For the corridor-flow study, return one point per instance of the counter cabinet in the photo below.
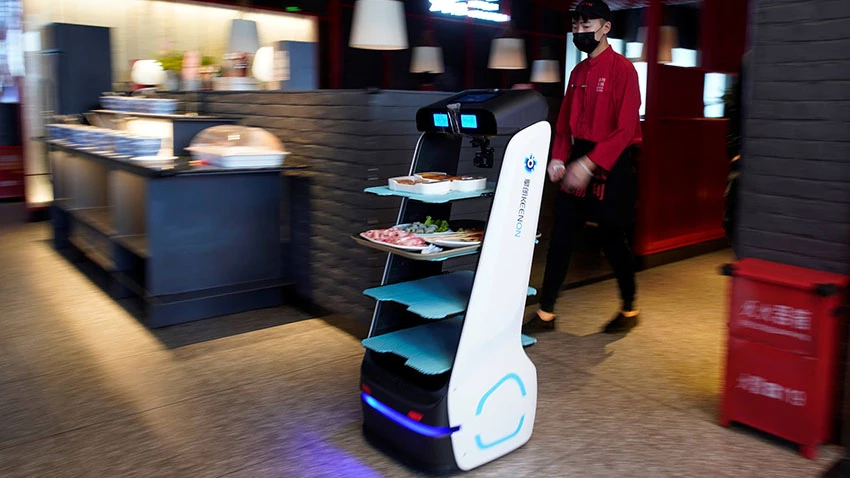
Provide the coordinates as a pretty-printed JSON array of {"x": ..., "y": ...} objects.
[{"x": 190, "y": 242}]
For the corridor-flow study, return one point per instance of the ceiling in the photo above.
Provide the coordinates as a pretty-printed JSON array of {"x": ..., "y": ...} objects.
[{"x": 567, "y": 5}]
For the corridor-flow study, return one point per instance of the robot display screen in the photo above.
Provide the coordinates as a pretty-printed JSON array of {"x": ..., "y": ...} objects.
[
  {"x": 469, "y": 121},
  {"x": 475, "y": 98},
  {"x": 441, "y": 120}
]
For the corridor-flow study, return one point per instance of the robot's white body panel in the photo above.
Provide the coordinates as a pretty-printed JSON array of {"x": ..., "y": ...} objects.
[{"x": 492, "y": 393}]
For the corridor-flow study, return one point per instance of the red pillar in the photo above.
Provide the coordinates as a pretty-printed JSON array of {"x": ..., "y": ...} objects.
[
  {"x": 335, "y": 44},
  {"x": 647, "y": 180}
]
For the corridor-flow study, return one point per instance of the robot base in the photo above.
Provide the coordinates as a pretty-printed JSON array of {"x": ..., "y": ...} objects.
[
  {"x": 389, "y": 394},
  {"x": 409, "y": 448}
]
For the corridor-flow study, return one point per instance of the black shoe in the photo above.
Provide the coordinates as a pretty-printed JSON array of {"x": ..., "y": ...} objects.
[
  {"x": 537, "y": 325},
  {"x": 623, "y": 322}
]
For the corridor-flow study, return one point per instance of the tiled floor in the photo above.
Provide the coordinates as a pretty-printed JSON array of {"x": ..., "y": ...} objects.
[{"x": 86, "y": 391}]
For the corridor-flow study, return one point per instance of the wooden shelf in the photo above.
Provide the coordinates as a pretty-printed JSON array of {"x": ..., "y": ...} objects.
[
  {"x": 96, "y": 217},
  {"x": 137, "y": 244},
  {"x": 93, "y": 254}
]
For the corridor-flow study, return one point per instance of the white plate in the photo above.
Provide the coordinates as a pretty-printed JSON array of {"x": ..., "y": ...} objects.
[
  {"x": 469, "y": 185},
  {"x": 451, "y": 243},
  {"x": 404, "y": 248}
]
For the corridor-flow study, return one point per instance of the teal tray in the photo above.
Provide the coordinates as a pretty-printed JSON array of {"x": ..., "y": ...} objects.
[
  {"x": 433, "y": 198},
  {"x": 435, "y": 297},
  {"x": 429, "y": 349}
]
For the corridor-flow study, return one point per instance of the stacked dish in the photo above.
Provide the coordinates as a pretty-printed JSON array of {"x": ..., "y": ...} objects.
[{"x": 160, "y": 106}]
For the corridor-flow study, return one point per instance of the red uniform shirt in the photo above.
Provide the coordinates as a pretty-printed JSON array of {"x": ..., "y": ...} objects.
[{"x": 602, "y": 104}]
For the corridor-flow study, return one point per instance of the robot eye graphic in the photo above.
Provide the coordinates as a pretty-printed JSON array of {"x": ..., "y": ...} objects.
[{"x": 530, "y": 164}]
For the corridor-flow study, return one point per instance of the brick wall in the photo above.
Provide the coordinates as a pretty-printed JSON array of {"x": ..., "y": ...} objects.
[
  {"x": 350, "y": 140},
  {"x": 795, "y": 186}
]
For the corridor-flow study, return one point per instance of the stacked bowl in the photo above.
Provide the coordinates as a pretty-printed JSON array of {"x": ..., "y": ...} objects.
[{"x": 160, "y": 106}]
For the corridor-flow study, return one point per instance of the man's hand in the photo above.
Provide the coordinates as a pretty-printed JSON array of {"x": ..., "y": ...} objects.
[
  {"x": 556, "y": 170},
  {"x": 578, "y": 174}
]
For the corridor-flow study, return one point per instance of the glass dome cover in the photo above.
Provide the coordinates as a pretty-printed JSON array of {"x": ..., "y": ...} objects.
[
  {"x": 237, "y": 146},
  {"x": 237, "y": 138}
]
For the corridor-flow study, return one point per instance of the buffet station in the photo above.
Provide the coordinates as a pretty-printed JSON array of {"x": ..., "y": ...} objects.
[{"x": 178, "y": 211}]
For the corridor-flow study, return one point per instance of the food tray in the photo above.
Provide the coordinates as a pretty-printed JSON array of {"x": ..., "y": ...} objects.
[
  {"x": 417, "y": 255},
  {"x": 387, "y": 244},
  {"x": 238, "y": 157}
]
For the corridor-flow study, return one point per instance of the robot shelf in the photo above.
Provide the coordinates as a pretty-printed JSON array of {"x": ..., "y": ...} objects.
[
  {"x": 435, "y": 297},
  {"x": 434, "y": 198},
  {"x": 429, "y": 349}
]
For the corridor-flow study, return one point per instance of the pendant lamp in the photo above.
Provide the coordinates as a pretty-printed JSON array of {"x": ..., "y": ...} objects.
[
  {"x": 427, "y": 57},
  {"x": 545, "y": 69},
  {"x": 507, "y": 52},
  {"x": 244, "y": 37},
  {"x": 378, "y": 25},
  {"x": 667, "y": 40}
]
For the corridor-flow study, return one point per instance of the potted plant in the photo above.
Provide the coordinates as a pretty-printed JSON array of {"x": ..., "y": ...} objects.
[{"x": 172, "y": 63}]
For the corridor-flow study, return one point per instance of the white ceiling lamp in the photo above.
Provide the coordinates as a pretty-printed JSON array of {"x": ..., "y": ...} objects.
[
  {"x": 427, "y": 57},
  {"x": 545, "y": 69},
  {"x": 378, "y": 25},
  {"x": 507, "y": 52},
  {"x": 667, "y": 40}
]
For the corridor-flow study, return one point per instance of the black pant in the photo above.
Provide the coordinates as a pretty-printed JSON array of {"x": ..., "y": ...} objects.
[{"x": 614, "y": 214}]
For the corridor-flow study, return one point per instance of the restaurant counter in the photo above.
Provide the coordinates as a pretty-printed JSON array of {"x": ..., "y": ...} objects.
[{"x": 191, "y": 242}]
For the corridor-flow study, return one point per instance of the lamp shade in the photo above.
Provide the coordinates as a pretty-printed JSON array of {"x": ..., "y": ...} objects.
[
  {"x": 545, "y": 71},
  {"x": 263, "y": 67},
  {"x": 243, "y": 37},
  {"x": 148, "y": 73},
  {"x": 668, "y": 39},
  {"x": 378, "y": 25},
  {"x": 427, "y": 59},
  {"x": 507, "y": 54}
]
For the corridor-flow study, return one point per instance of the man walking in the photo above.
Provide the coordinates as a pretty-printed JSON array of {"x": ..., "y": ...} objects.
[{"x": 593, "y": 160}]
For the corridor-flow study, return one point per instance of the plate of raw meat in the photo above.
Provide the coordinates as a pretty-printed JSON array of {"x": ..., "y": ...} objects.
[{"x": 395, "y": 237}]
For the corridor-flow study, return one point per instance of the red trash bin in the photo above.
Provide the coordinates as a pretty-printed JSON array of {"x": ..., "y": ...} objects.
[{"x": 782, "y": 355}]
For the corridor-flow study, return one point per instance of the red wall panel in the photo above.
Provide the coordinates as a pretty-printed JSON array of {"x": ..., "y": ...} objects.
[
  {"x": 11, "y": 172},
  {"x": 686, "y": 179},
  {"x": 682, "y": 92},
  {"x": 723, "y": 36}
]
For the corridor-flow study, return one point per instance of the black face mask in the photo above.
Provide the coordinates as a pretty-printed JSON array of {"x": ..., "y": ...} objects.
[{"x": 586, "y": 41}]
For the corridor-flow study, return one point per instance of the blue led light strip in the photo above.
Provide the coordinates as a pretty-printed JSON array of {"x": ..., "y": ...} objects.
[{"x": 405, "y": 421}]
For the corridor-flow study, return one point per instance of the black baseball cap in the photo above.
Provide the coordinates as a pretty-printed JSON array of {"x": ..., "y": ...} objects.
[{"x": 592, "y": 9}]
